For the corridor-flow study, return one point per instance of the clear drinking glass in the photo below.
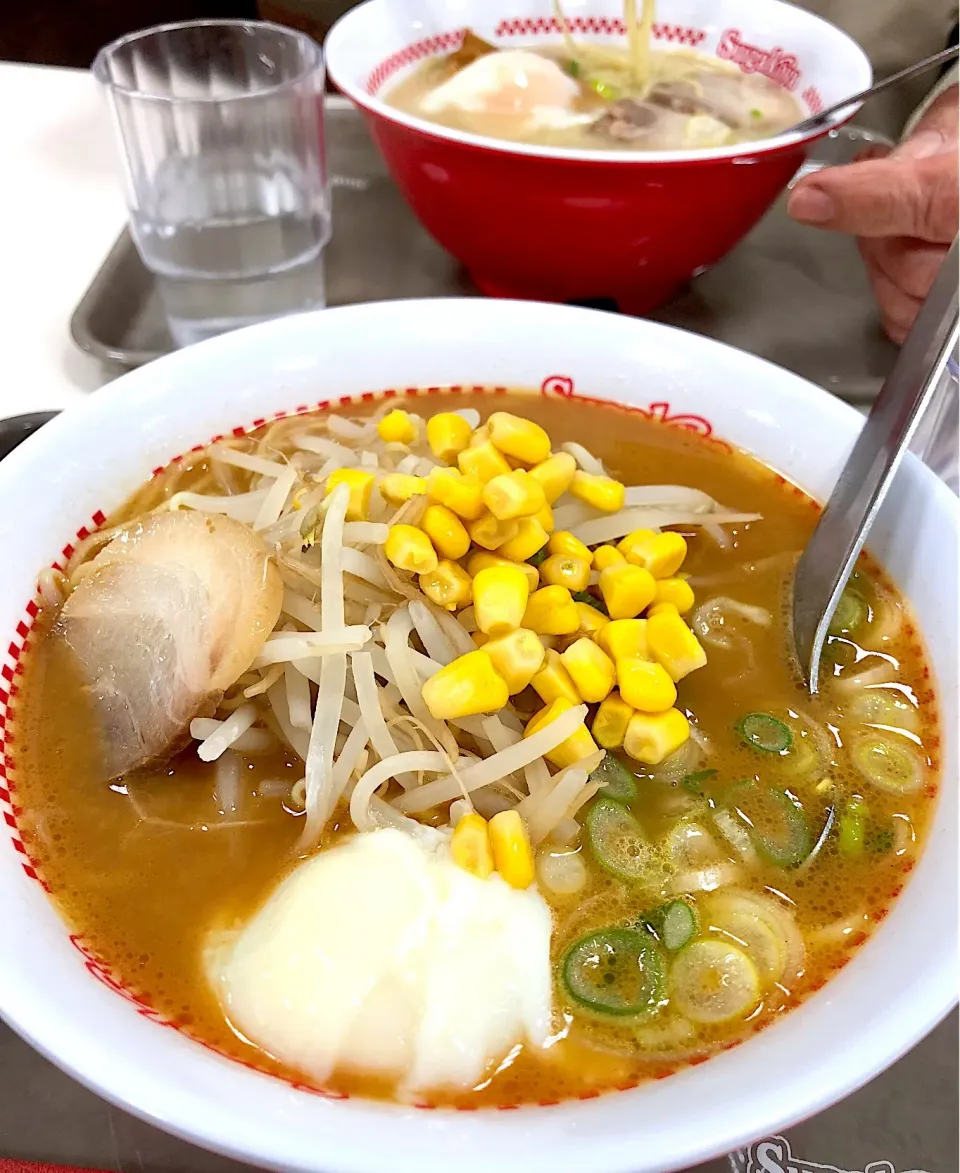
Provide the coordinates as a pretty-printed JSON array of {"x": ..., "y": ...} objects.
[{"x": 220, "y": 126}]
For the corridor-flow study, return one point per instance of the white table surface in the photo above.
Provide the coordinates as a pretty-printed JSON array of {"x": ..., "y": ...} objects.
[{"x": 61, "y": 208}]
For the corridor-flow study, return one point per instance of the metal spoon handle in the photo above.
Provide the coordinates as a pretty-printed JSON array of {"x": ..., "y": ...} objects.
[
  {"x": 824, "y": 116},
  {"x": 829, "y": 558}
]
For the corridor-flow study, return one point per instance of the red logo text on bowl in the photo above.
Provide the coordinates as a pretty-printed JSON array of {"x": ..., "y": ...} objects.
[{"x": 776, "y": 64}]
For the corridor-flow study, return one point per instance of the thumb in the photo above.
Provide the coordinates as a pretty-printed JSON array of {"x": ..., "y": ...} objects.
[
  {"x": 883, "y": 197},
  {"x": 936, "y": 130}
]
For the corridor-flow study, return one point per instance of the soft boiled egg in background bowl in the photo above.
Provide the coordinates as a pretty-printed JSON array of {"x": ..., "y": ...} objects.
[
  {"x": 511, "y": 83},
  {"x": 562, "y": 224},
  {"x": 88, "y": 460}
]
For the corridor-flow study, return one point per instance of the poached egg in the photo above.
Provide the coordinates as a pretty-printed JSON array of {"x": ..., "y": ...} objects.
[
  {"x": 514, "y": 84},
  {"x": 381, "y": 956}
]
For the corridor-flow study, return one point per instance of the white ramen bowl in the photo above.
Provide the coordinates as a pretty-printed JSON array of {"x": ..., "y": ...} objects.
[{"x": 897, "y": 987}]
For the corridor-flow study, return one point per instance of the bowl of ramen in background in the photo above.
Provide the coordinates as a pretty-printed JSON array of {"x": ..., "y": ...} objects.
[
  {"x": 68, "y": 983},
  {"x": 564, "y": 223}
]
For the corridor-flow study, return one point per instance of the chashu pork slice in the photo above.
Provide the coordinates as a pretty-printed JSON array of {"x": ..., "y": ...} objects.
[{"x": 173, "y": 611}]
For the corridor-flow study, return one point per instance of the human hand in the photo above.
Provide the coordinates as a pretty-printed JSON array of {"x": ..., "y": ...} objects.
[{"x": 902, "y": 207}]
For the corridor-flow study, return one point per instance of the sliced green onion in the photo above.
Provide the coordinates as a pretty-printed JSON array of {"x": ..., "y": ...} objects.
[
  {"x": 882, "y": 841},
  {"x": 778, "y": 826},
  {"x": 616, "y": 781},
  {"x": 811, "y": 752},
  {"x": 674, "y": 923},
  {"x": 877, "y": 705},
  {"x": 840, "y": 652},
  {"x": 762, "y": 927},
  {"x": 712, "y": 981},
  {"x": 850, "y": 834},
  {"x": 851, "y": 613},
  {"x": 539, "y": 558},
  {"x": 756, "y": 113},
  {"x": 615, "y": 971},
  {"x": 694, "y": 782},
  {"x": 765, "y": 733},
  {"x": 737, "y": 920},
  {"x": 590, "y": 600},
  {"x": 603, "y": 89},
  {"x": 886, "y": 764},
  {"x": 617, "y": 840},
  {"x": 572, "y": 67}
]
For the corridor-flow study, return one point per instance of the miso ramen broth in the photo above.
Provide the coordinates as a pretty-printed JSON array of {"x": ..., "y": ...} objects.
[
  {"x": 596, "y": 96},
  {"x": 700, "y": 876}
]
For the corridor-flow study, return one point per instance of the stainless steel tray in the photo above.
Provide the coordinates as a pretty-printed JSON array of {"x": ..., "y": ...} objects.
[{"x": 794, "y": 295}]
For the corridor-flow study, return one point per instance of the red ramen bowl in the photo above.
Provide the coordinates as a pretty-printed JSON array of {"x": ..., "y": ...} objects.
[{"x": 560, "y": 224}]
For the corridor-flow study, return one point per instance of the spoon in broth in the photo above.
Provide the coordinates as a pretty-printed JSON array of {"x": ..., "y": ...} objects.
[
  {"x": 907, "y": 392},
  {"x": 822, "y": 118}
]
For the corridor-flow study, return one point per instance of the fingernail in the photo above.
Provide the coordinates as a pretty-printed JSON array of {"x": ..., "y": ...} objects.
[
  {"x": 812, "y": 205},
  {"x": 924, "y": 144}
]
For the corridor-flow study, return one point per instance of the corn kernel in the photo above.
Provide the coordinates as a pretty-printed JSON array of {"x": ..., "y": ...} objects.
[
  {"x": 565, "y": 570},
  {"x": 479, "y": 436},
  {"x": 651, "y": 737},
  {"x": 545, "y": 517},
  {"x": 448, "y": 486},
  {"x": 610, "y": 723},
  {"x": 470, "y": 846},
  {"x": 529, "y": 538},
  {"x": 513, "y": 494},
  {"x": 512, "y": 853},
  {"x": 604, "y": 556},
  {"x": 517, "y": 656},
  {"x": 676, "y": 591},
  {"x": 626, "y": 590},
  {"x": 563, "y": 542},
  {"x": 483, "y": 462},
  {"x": 500, "y": 596},
  {"x": 662, "y": 609},
  {"x": 490, "y": 533},
  {"x": 409, "y": 548},
  {"x": 551, "y": 611},
  {"x": 522, "y": 439},
  {"x": 465, "y": 687},
  {"x": 360, "y": 484},
  {"x": 397, "y": 427},
  {"x": 555, "y": 474},
  {"x": 481, "y": 560},
  {"x": 645, "y": 686},
  {"x": 592, "y": 621},
  {"x": 552, "y": 642},
  {"x": 577, "y": 746},
  {"x": 661, "y": 554},
  {"x": 674, "y": 645},
  {"x": 625, "y": 637},
  {"x": 448, "y": 434},
  {"x": 397, "y": 487},
  {"x": 445, "y": 530},
  {"x": 601, "y": 492},
  {"x": 553, "y": 681},
  {"x": 448, "y": 586},
  {"x": 590, "y": 668}
]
